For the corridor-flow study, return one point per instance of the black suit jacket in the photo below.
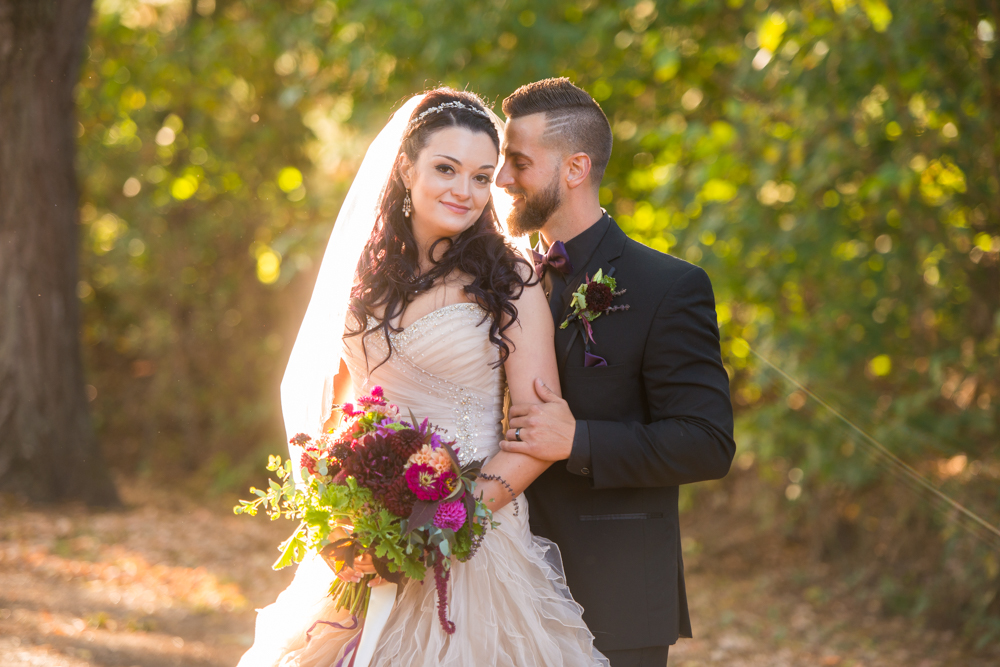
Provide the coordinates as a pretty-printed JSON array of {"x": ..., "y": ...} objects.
[{"x": 658, "y": 415}]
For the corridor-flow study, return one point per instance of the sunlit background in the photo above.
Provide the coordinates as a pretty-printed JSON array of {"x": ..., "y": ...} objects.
[{"x": 833, "y": 165}]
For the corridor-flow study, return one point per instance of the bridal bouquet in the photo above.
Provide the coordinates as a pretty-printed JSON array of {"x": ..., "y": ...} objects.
[{"x": 382, "y": 486}]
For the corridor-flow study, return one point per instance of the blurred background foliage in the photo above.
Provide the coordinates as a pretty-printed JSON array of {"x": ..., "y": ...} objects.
[{"x": 832, "y": 164}]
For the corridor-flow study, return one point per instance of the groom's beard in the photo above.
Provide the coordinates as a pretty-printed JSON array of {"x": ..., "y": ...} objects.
[{"x": 535, "y": 211}]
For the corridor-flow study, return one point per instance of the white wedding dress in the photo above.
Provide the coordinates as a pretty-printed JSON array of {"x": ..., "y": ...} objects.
[{"x": 509, "y": 603}]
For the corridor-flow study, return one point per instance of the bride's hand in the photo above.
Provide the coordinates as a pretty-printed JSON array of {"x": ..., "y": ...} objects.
[{"x": 362, "y": 566}]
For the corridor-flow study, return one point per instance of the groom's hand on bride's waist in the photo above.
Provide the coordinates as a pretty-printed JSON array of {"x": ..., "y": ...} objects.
[{"x": 546, "y": 429}]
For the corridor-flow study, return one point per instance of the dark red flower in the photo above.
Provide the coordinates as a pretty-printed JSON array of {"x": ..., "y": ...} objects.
[
  {"x": 598, "y": 297},
  {"x": 405, "y": 442},
  {"x": 341, "y": 451},
  {"x": 375, "y": 465},
  {"x": 398, "y": 498}
]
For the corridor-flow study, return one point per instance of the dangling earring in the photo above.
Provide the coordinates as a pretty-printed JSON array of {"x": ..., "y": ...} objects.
[{"x": 407, "y": 204}]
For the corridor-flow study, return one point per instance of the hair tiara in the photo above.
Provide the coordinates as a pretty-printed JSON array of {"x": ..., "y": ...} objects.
[{"x": 448, "y": 105}]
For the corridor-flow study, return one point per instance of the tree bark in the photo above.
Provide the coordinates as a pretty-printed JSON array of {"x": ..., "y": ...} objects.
[{"x": 48, "y": 449}]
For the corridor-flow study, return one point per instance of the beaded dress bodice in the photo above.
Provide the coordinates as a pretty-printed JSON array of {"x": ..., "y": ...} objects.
[{"x": 443, "y": 368}]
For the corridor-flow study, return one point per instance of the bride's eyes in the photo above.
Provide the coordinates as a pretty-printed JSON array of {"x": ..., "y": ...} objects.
[{"x": 449, "y": 170}]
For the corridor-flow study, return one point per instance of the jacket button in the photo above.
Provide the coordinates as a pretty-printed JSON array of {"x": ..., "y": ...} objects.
[{"x": 585, "y": 471}]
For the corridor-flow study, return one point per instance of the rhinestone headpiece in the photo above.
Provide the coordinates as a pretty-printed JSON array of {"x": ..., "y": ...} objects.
[{"x": 447, "y": 105}]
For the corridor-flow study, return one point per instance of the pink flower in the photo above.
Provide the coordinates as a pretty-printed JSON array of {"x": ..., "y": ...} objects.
[
  {"x": 308, "y": 462},
  {"x": 450, "y": 515},
  {"x": 446, "y": 483},
  {"x": 373, "y": 399},
  {"x": 423, "y": 481},
  {"x": 437, "y": 459}
]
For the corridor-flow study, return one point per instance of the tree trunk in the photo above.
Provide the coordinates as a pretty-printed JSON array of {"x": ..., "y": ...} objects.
[{"x": 48, "y": 450}]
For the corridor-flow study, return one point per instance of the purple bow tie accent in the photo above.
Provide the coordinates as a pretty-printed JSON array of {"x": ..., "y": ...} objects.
[{"x": 556, "y": 257}]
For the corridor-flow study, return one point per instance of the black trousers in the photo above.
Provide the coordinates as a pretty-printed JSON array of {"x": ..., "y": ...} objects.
[{"x": 651, "y": 656}]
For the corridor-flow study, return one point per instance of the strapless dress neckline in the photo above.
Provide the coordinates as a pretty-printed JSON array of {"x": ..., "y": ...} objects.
[{"x": 440, "y": 312}]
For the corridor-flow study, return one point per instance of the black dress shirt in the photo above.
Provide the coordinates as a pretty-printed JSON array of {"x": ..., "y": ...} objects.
[{"x": 580, "y": 249}]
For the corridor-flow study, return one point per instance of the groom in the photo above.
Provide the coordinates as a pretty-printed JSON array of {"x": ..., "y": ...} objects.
[{"x": 646, "y": 403}]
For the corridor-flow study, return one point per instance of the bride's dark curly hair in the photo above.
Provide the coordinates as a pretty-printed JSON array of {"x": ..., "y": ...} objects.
[{"x": 388, "y": 275}]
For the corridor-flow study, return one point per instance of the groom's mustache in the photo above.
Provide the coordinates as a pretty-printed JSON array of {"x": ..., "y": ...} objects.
[{"x": 512, "y": 191}]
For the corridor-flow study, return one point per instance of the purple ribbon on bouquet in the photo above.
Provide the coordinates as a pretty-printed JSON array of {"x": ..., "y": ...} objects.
[{"x": 350, "y": 648}]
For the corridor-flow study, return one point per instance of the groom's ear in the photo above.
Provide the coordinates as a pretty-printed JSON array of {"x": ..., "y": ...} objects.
[
  {"x": 577, "y": 169},
  {"x": 405, "y": 167}
]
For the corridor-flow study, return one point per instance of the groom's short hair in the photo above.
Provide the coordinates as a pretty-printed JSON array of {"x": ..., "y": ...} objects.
[{"x": 573, "y": 119}]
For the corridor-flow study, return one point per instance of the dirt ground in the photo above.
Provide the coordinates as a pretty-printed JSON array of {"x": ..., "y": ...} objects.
[{"x": 171, "y": 582}]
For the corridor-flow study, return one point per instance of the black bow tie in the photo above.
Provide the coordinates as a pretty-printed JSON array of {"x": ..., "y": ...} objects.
[{"x": 556, "y": 257}]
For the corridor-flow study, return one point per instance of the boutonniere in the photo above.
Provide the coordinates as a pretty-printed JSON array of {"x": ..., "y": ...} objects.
[{"x": 592, "y": 299}]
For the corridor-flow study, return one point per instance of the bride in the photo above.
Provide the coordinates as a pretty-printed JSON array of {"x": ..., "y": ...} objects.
[{"x": 438, "y": 309}]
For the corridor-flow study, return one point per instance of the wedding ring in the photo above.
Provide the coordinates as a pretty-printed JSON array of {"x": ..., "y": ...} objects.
[{"x": 517, "y": 434}]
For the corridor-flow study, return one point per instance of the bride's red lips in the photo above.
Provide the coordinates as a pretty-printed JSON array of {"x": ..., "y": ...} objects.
[{"x": 455, "y": 208}]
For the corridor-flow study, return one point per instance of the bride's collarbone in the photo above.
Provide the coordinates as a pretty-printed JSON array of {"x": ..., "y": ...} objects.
[{"x": 449, "y": 293}]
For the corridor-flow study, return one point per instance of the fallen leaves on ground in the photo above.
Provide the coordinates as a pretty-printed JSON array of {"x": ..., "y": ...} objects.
[{"x": 165, "y": 582}]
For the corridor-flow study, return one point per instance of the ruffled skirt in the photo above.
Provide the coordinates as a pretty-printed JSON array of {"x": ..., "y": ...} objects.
[{"x": 509, "y": 603}]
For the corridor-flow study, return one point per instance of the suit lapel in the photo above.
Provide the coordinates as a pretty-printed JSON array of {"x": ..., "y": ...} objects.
[{"x": 608, "y": 250}]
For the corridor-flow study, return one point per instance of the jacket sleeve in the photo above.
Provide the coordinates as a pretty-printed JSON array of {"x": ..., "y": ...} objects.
[{"x": 690, "y": 434}]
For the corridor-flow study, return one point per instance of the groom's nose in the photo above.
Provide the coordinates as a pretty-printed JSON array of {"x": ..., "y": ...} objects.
[{"x": 505, "y": 178}]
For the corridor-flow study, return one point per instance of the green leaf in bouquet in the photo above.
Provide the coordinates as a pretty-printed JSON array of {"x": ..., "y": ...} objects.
[
  {"x": 317, "y": 518},
  {"x": 293, "y": 550},
  {"x": 422, "y": 514},
  {"x": 258, "y": 492},
  {"x": 445, "y": 548},
  {"x": 463, "y": 542},
  {"x": 394, "y": 426},
  {"x": 246, "y": 507},
  {"x": 414, "y": 569},
  {"x": 322, "y": 468},
  {"x": 387, "y": 570}
]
